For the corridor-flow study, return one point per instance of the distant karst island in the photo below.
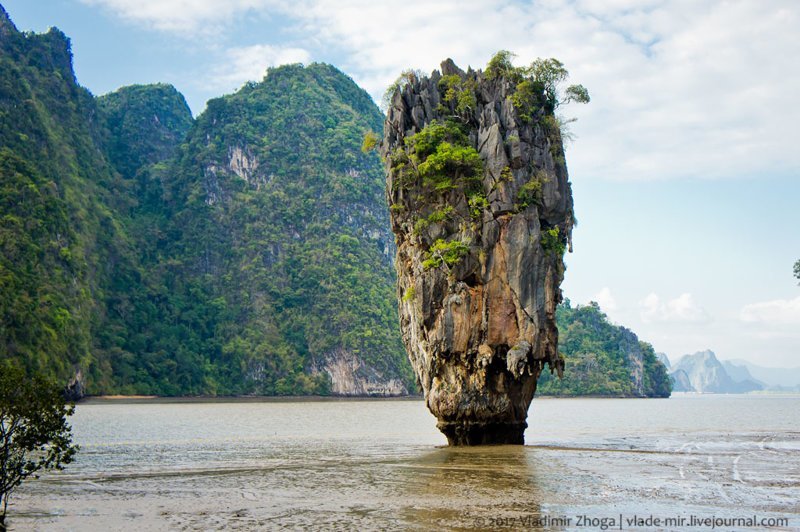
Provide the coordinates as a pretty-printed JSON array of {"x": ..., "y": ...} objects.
[{"x": 702, "y": 372}]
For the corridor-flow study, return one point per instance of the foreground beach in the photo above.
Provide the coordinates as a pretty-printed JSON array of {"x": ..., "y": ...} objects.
[{"x": 589, "y": 463}]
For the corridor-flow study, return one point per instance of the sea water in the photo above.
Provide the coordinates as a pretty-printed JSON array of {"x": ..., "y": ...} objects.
[{"x": 688, "y": 462}]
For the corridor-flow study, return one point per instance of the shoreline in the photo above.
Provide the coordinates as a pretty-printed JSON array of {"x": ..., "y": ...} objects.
[
  {"x": 155, "y": 399},
  {"x": 384, "y": 465}
]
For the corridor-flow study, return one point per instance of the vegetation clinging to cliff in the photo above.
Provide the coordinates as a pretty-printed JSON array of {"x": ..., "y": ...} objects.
[
  {"x": 440, "y": 156},
  {"x": 539, "y": 84},
  {"x": 542, "y": 75},
  {"x": 439, "y": 159},
  {"x": 407, "y": 76},
  {"x": 552, "y": 241},
  {"x": 442, "y": 252}
]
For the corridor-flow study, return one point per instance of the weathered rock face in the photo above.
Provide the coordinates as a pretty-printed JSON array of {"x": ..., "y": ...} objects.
[
  {"x": 75, "y": 389},
  {"x": 479, "y": 258},
  {"x": 350, "y": 376}
]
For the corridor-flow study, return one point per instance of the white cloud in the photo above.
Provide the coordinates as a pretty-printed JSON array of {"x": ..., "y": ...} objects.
[
  {"x": 680, "y": 309},
  {"x": 687, "y": 88},
  {"x": 777, "y": 312},
  {"x": 605, "y": 300},
  {"x": 249, "y": 63},
  {"x": 181, "y": 16}
]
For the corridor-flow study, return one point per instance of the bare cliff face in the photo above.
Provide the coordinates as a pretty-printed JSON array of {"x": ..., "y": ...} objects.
[
  {"x": 351, "y": 376},
  {"x": 481, "y": 208}
]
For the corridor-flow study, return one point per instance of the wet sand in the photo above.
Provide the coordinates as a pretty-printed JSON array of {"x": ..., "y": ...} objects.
[{"x": 390, "y": 470}]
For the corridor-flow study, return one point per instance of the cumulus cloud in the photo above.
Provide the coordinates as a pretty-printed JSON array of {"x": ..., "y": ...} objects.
[
  {"x": 680, "y": 309},
  {"x": 777, "y": 312},
  {"x": 605, "y": 300},
  {"x": 687, "y": 88},
  {"x": 249, "y": 63}
]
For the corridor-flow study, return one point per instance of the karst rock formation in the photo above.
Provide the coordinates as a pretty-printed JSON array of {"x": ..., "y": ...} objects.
[{"x": 481, "y": 208}]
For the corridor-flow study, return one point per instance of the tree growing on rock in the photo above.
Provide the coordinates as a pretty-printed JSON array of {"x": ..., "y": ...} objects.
[
  {"x": 548, "y": 74},
  {"x": 797, "y": 270},
  {"x": 551, "y": 74},
  {"x": 34, "y": 434},
  {"x": 542, "y": 77}
]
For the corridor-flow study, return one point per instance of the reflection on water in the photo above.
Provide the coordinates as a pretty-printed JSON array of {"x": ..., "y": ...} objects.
[
  {"x": 372, "y": 465},
  {"x": 462, "y": 487}
]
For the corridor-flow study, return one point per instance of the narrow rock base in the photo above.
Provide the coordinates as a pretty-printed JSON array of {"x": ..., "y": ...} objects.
[{"x": 470, "y": 433}]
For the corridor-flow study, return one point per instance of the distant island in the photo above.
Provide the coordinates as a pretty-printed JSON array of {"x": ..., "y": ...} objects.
[{"x": 702, "y": 372}]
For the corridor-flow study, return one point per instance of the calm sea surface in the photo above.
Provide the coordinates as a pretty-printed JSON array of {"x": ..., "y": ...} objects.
[{"x": 588, "y": 464}]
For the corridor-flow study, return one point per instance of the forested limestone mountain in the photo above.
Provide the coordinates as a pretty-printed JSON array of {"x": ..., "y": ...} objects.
[
  {"x": 245, "y": 252},
  {"x": 143, "y": 253},
  {"x": 603, "y": 359},
  {"x": 278, "y": 225},
  {"x": 146, "y": 123},
  {"x": 61, "y": 245}
]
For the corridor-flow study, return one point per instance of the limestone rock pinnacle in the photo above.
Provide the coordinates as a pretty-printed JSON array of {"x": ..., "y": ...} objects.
[{"x": 481, "y": 208}]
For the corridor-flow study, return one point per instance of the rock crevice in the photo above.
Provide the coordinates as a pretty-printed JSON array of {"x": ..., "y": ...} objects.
[{"x": 481, "y": 208}]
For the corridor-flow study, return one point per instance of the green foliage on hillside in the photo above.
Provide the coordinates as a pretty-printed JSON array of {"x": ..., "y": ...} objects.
[
  {"x": 602, "y": 358},
  {"x": 61, "y": 248},
  {"x": 231, "y": 260},
  {"x": 146, "y": 123},
  {"x": 79, "y": 289},
  {"x": 277, "y": 245},
  {"x": 41, "y": 320}
]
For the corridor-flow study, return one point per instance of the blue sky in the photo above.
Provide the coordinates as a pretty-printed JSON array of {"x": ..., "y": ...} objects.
[{"x": 685, "y": 168}]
